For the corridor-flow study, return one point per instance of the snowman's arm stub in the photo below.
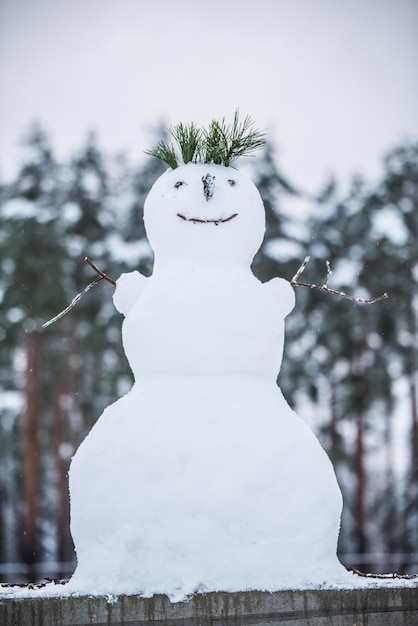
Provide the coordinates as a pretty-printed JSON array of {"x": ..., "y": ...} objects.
[
  {"x": 128, "y": 289},
  {"x": 284, "y": 293}
]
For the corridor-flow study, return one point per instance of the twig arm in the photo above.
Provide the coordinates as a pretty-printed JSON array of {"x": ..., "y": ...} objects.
[
  {"x": 73, "y": 302},
  {"x": 99, "y": 272},
  {"x": 294, "y": 282},
  {"x": 300, "y": 270},
  {"x": 102, "y": 276},
  {"x": 329, "y": 274}
]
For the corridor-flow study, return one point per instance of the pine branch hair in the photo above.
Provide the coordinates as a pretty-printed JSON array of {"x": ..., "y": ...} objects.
[{"x": 219, "y": 143}]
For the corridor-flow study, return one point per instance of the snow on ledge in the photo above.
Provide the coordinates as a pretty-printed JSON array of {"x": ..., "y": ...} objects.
[{"x": 353, "y": 582}]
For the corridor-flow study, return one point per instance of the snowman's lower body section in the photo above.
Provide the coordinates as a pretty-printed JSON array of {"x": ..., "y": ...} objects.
[{"x": 203, "y": 483}]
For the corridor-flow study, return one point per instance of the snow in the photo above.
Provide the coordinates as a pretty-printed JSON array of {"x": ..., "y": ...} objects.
[
  {"x": 387, "y": 223},
  {"x": 283, "y": 249},
  {"x": 19, "y": 208},
  {"x": 351, "y": 581},
  {"x": 10, "y": 400},
  {"x": 128, "y": 252},
  {"x": 201, "y": 478}
]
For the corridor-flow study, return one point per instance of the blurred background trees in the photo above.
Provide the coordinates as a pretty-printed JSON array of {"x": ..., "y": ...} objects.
[{"x": 350, "y": 370}]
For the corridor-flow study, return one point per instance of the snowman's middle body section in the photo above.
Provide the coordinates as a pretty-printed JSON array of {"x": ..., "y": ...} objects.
[{"x": 206, "y": 323}]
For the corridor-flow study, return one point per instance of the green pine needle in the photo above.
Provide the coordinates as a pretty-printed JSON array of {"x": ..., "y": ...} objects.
[
  {"x": 188, "y": 139},
  {"x": 215, "y": 145},
  {"x": 224, "y": 144},
  {"x": 166, "y": 154},
  {"x": 219, "y": 143}
]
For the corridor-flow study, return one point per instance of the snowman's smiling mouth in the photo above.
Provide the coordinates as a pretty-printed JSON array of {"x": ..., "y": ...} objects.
[{"x": 196, "y": 220}]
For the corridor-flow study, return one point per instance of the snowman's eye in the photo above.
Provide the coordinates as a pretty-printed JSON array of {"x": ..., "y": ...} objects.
[
  {"x": 231, "y": 182},
  {"x": 179, "y": 183}
]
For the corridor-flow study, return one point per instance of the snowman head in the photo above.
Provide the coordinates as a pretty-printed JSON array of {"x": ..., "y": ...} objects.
[{"x": 204, "y": 213}]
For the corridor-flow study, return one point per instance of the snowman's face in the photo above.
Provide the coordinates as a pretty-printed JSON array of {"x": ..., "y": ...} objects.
[{"x": 204, "y": 211}]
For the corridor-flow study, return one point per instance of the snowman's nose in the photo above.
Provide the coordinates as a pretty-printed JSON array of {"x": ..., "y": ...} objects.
[{"x": 208, "y": 185}]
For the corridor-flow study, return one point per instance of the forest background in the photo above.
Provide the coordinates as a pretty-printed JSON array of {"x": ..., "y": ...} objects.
[
  {"x": 350, "y": 370},
  {"x": 334, "y": 83}
]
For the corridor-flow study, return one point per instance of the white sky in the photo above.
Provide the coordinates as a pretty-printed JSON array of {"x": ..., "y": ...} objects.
[{"x": 334, "y": 81}]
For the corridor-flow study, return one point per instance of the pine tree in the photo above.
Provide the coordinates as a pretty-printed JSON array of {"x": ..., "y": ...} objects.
[
  {"x": 51, "y": 216},
  {"x": 281, "y": 248},
  {"x": 396, "y": 204},
  {"x": 349, "y": 361},
  {"x": 32, "y": 258},
  {"x": 141, "y": 180},
  {"x": 354, "y": 357}
]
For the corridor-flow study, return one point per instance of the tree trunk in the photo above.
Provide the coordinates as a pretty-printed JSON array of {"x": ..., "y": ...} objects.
[
  {"x": 361, "y": 515},
  {"x": 3, "y": 535},
  {"x": 413, "y": 393},
  {"x": 361, "y": 403},
  {"x": 31, "y": 450},
  {"x": 412, "y": 530},
  {"x": 332, "y": 427},
  {"x": 62, "y": 453}
]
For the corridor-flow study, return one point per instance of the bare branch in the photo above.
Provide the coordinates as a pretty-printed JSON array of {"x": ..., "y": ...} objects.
[
  {"x": 294, "y": 282},
  {"x": 300, "y": 270},
  {"x": 73, "y": 302},
  {"x": 102, "y": 276},
  {"x": 384, "y": 576},
  {"x": 329, "y": 274}
]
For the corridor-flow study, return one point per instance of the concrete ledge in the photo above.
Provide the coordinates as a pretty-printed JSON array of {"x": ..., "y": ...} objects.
[{"x": 354, "y": 607}]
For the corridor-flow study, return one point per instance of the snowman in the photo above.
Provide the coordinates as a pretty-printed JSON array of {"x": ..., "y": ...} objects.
[{"x": 202, "y": 478}]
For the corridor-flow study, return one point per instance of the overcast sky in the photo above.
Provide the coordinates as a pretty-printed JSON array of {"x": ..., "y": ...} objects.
[{"x": 335, "y": 82}]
